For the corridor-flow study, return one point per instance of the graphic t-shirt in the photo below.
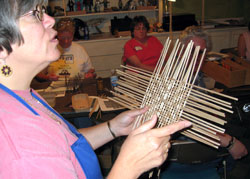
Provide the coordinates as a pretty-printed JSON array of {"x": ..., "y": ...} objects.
[{"x": 72, "y": 62}]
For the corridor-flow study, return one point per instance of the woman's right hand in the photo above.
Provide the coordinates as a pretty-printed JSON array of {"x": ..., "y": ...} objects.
[{"x": 144, "y": 148}]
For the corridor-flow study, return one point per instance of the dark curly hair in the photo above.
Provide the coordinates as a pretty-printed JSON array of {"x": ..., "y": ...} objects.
[{"x": 137, "y": 20}]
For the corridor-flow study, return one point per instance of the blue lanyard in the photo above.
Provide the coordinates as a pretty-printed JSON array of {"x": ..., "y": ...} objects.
[
  {"x": 10, "y": 92},
  {"x": 22, "y": 101}
]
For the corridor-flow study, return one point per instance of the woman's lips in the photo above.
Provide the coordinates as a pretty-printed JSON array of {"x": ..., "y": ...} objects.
[{"x": 54, "y": 40}]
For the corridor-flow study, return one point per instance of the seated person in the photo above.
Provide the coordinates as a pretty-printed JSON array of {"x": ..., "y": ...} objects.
[
  {"x": 73, "y": 61},
  {"x": 202, "y": 160},
  {"x": 244, "y": 44},
  {"x": 200, "y": 38},
  {"x": 142, "y": 51}
]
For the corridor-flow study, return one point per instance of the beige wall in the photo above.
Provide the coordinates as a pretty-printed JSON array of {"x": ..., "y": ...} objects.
[{"x": 106, "y": 54}]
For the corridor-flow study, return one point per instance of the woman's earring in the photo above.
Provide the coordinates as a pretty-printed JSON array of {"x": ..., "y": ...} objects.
[{"x": 6, "y": 70}]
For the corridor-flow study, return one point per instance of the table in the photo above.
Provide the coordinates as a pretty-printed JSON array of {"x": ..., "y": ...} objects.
[{"x": 89, "y": 86}]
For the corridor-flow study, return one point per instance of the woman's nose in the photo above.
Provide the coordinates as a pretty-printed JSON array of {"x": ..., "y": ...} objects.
[{"x": 48, "y": 21}]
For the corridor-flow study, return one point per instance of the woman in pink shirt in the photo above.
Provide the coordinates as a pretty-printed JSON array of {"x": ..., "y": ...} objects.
[{"x": 36, "y": 142}]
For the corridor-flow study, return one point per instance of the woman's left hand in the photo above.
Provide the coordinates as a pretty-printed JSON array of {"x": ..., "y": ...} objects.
[
  {"x": 238, "y": 149},
  {"x": 123, "y": 123}
]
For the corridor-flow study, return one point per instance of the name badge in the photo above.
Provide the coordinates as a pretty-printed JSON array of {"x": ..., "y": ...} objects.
[{"x": 137, "y": 48}]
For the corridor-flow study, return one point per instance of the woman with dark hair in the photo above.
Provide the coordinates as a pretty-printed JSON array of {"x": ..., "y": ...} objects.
[
  {"x": 36, "y": 142},
  {"x": 142, "y": 51},
  {"x": 244, "y": 44}
]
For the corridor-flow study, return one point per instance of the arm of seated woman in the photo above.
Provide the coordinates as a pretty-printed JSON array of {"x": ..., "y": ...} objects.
[{"x": 134, "y": 61}]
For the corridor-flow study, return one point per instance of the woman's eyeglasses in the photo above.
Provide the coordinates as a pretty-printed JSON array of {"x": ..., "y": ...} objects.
[
  {"x": 38, "y": 12},
  {"x": 140, "y": 28}
]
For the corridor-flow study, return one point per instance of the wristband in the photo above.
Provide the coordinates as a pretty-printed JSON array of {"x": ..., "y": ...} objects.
[
  {"x": 112, "y": 133},
  {"x": 231, "y": 143}
]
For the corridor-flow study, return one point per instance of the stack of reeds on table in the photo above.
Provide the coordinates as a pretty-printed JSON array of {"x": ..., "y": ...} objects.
[{"x": 171, "y": 94}]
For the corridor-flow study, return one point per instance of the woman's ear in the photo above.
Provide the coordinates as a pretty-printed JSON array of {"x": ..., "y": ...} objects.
[{"x": 3, "y": 53}]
